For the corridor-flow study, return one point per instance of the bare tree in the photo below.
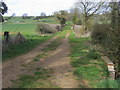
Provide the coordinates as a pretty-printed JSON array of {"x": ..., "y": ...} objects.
[{"x": 88, "y": 9}]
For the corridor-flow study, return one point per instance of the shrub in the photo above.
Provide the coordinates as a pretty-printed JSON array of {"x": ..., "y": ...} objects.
[
  {"x": 47, "y": 28},
  {"x": 108, "y": 39},
  {"x": 93, "y": 55},
  {"x": 99, "y": 33}
]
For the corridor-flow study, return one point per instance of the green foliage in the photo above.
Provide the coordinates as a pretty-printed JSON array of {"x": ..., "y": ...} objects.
[
  {"x": 92, "y": 54},
  {"x": 38, "y": 73},
  {"x": 36, "y": 59},
  {"x": 115, "y": 37},
  {"x": 76, "y": 17},
  {"x": 100, "y": 33},
  {"x": 108, "y": 40},
  {"x": 62, "y": 17}
]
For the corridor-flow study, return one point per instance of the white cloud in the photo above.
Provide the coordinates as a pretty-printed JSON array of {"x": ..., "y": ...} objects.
[{"x": 35, "y": 7}]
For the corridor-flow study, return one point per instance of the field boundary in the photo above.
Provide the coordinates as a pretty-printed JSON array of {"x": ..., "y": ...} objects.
[{"x": 110, "y": 66}]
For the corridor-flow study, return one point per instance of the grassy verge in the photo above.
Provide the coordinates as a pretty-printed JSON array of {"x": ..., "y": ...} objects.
[
  {"x": 87, "y": 62},
  {"x": 18, "y": 49}
]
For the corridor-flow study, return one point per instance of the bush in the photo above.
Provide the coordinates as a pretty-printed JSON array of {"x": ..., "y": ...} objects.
[
  {"x": 93, "y": 55},
  {"x": 47, "y": 28},
  {"x": 108, "y": 39},
  {"x": 100, "y": 33}
]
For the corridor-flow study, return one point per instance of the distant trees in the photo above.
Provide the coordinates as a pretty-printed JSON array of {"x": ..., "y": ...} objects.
[
  {"x": 10, "y": 16},
  {"x": 3, "y": 10},
  {"x": 88, "y": 9},
  {"x": 76, "y": 17},
  {"x": 62, "y": 16},
  {"x": 25, "y": 16},
  {"x": 42, "y": 14}
]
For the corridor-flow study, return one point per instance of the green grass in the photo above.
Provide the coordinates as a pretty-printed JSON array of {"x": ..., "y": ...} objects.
[
  {"x": 108, "y": 83},
  {"x": 38, "y": 80},
  {"x": 23, "y": 28},
  {"x": 36, "y": 59},
  {"x": 87, "y": 62}
]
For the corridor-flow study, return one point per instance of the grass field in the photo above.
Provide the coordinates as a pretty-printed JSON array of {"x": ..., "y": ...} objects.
[
  {"x": 25, "y": 26},
  {"x": 28, "y": 28}
]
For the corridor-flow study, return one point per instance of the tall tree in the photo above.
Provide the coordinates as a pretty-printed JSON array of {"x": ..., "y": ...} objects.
[
  {"x": 42, "y": 14},
  {"x": 88, "y": 9},
  {"x": 75, "y": 16},
  {"x": 62, "y": 17},
  {"x": 3, "y": 10}
]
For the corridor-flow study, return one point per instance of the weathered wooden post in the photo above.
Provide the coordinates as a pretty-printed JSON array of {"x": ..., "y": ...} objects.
[{"x": 6, "y": 36}]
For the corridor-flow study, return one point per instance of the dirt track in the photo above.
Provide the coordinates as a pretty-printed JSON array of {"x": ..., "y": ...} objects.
[
  {"x": 58, "y": 61},
  {"x": 12, "y": 69}
]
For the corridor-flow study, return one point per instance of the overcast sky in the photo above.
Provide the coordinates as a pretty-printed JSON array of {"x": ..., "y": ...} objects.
[{"x": 35, "y": 7}]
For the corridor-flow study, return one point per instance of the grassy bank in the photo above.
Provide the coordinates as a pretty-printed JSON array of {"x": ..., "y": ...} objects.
[
  {"x": 18, "y": 49},
  {"x": 88, "y": 63}
]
